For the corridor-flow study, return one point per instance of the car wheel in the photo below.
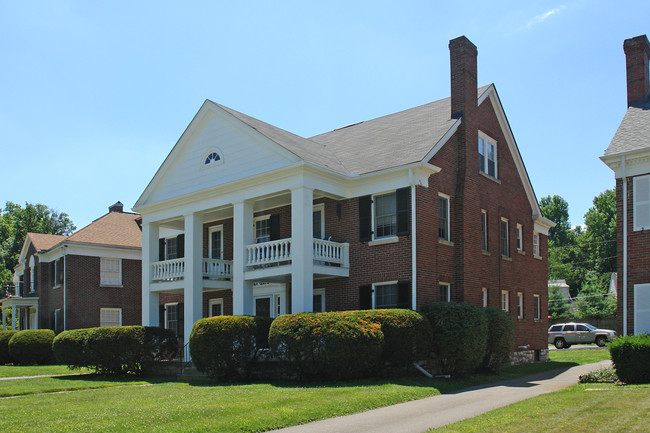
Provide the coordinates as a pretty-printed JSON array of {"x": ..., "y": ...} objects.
[
  {"x": 600, "y": 341},
  {"x": 560, "y": 343}
]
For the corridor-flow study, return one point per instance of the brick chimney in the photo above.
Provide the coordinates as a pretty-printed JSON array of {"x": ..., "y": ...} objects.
[
  {"x": 117, "y": 207},
  {"x": 637, "y": 55},
  {"x": 463, "y": 56}
]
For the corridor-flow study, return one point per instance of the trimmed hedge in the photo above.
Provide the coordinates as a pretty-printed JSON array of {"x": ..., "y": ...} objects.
[
  {"x": 500, "y": 339},
  {"x": 327, "y": 345},
  {"x": 631, "y": 358},
  {"x": 32, "y": 346},
  {"x": 224, "y": 347},
  {"x": 69, "y": 348},
  {"x": 5, "y": 336},
  {"x": 459, "y": 335},
  {"x": 407, "y": 335}
]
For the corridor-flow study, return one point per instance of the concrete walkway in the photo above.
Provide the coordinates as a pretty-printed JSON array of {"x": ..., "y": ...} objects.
[{"x": 432, "y": 412}]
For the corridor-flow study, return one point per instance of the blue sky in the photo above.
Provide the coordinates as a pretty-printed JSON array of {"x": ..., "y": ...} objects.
[{"x": 93, "y": 95}]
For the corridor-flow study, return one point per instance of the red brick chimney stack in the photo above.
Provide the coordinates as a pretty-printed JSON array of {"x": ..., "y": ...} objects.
[
  {"x": 637, "y": 55},
  {"x": 463, "y": 56}
]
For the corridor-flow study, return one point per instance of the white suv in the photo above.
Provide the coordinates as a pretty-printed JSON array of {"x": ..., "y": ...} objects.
[{"x": 563, "y": 335}]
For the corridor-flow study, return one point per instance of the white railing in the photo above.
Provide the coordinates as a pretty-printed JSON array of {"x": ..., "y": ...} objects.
[
  {"x": 214, "y": 268},
  {"x": 269, "y": 252},
  {"x": 168, "y": 270},
  {"x": 328, "y": 252}
]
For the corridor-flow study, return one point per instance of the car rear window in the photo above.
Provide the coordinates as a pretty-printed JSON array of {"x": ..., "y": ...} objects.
[
  {"x": 555, "y": 328},
  {"x": 569, "y": 328}
]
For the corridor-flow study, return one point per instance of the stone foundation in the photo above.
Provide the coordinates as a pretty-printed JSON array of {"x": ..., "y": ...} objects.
[{"x": 528, "y": 356}]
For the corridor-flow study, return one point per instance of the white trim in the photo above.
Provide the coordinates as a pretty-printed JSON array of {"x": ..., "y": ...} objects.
[
  {"x": 520, "y": 238},
  {"x": 507, "y": 221},
  {"x": 448, "y": 228},
  {"x": 414, "y": 261},
  {"x": 636, "y": 224},
  {"x": 212, "y": 164},
  {"x": 373, "y": 213},
  {"x": 107, "y": 261},
  {"x": 484, "y": 296},
  {"x": 211, "y": 231},
  {"x": 505, "y": 301},
  {"x": 485, "y": 239},
  {"x": 490, "y": 141},
  {"x": 536, "y": 247},
  {"x": 278, "y": 295},
  {"x": 537, "y": 312},
  {"x": 624, "y": 249},
  {"x": 104, "y": 322},
  {"x": 374, "y": 291},
  {"x": 320, "y": 207},
  {"x": 448, "y": 294},
  {"x": 520, "y": 305},
  {"x": 215, "y": 301},
  {"x": 637, "y": 289},
  {"x": 168, "y": 304}
]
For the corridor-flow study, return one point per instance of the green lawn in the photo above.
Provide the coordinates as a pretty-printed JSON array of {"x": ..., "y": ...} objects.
[
  {"x": 99, "y": 403},
  {"x": 35, "y": 370},
  {"x": 579, "y": 356},
  {"x": 580, "y": 408}
]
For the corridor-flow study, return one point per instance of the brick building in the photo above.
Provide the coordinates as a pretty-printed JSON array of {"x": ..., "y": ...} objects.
[
  {"x": 425, "y": 205},
  {"x": 90, "y": 278},
  {"x": 628, "y": 155}
]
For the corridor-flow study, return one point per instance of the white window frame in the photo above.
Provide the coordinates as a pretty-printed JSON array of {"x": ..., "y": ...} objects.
[
  {"x": 212, "y": 163},
  {"x": 446, "y": 198},
  {"x": 507, "y": 237},
  {"x": 520, "y": 238},
  {"x": 486, "y": 142},
  {"x": 321, "y": 293},
  {"x": 376, "y": 286},
  {"x": 520, "y": 305},
  {"x": 536, "y": 245},
  {"x": 211, "y": 231},
  {"x": 167, "y": 253},
  {"x": 171, "y": 304},
  {"x": 104, "y": 322},
  {"x": 255, "y": 221},
  {"x": 374, "y": 215},
  {"x": 110, "y": 277},
  {"x": 321, "y": 208},
  {"x": 447, "y": 287},
  {"x": 58, "y": 263},
  {"x": 215, "y": 301},
  {"x": 537, "y": 307},
  {"x": 505, "y": 300},
  {"x": 278, "y": 295},
  {"x": 484, "y": 296},
  {"x": 484, "y": 230},
  {"x": 638, "y": 202}
]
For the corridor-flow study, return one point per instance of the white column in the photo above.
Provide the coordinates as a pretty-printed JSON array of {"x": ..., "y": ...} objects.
[
  {"x": 302, "y": 250},
  {"x": 243, "y": 235},
  {"x": 37, "y": 327},
  {"x": 193, "y": 277},
  {"x": 150, "y": 300},
  {"x": 13, "y": 318}
]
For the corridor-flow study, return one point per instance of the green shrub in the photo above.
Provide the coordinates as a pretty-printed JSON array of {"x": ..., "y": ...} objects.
[
  {"x": 604, "y": 375},
  {"x": 5, "y": 336},
  {"x": 631, "y": 358},
  {"x": 407, "y": 335},
  {"x": 32, "y": 346},
  {"x": 115, "y": 349},
  {"x": 159, "y": 344},
  {"x": 326, "y": 345},
  {"x": 500, "y": 339},
  {"x": 69, "y": 348},
  {"x": 224, "y": 347},
  {"x": 459, "y": 336}
]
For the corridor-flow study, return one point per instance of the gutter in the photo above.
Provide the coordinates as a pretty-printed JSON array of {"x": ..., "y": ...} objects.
[
  {"x": 624, "y": 187},
  {"x": 414, "y": 271}
]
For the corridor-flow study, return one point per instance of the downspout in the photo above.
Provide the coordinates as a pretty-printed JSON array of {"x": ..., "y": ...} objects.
[
  {"x": 65, "y": 272},
  {"x": 624, "y": 187},
  {"x": 414, "y": 272}
]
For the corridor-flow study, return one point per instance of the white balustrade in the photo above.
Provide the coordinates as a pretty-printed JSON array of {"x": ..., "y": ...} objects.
[
  {"x": 214, "y": 268},
  {"x": 329, "y": 252},
  {"x": 168, "y": 270},
  {"x": 269, "y": 252}
]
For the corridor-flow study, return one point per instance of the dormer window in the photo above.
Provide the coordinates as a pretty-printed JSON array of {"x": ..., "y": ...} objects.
[{"x": 212, "y": 158}]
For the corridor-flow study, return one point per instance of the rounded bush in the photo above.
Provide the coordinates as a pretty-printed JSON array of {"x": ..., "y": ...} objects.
[
  {"x": 5, "y": 336},
  {"x": 115, "y": 349},
  {"x": 69, "y": 348},
  {"x": 224, "y": 347},
  {"x": 158, "y": 344},
  {"x": 407, "y": 335},
  {"x": 32, "y": 346},
  {"x": 459, "y": 336},
  {"x": 631, "y": 358},
  {"x": 327, "y": 345},
  {"x": 500, "y": 339}
]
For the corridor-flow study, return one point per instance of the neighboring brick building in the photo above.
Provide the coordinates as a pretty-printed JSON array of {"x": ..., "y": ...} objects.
[
  {"x": 428, "y": 204},
  {"x": 629, "y": 156},
  {"x": 90, "y": 278}
]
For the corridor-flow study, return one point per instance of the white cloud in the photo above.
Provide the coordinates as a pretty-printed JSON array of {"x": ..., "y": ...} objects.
[{"x": 543, "y": 17}]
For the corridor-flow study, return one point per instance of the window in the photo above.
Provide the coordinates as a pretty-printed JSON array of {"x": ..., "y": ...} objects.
[
  {"x": 445, "y": 292},
  {"x": 211, "y": 158},
  {"x": 555, "y": 328},
  {"x": 386, "y": 296},
  {"x": 484, "y": 295},
  {"x": 487, "y": 155},
  {"x": 569, "y": 328},
  {"x": 56, "y": 269},
  {"x": 215, "y": 307},
  {"x": 385, "y": 215},
  {"x": 319, "y": 221},
  {"x": 505, "y": 245},
  {"x": 171, "y": 317},
  {"x": 484, "y": 229},
  {"x": 32, "y": 275},
  {"x": 520, "y": 305},
  {"x": 443, "y": 217},
  {"x": 505, "y": 300},
  {"x": 216, "y": 242},
  {"x": 536, "y": 244},
  {"x": 172, "y": 248},
  {"x": 536, "y": 307},
  {"x": 110, "y": 272},
  {"x": 520, "y": 238},
  {"x": 262, "y": 229},
  {"x": 319, "y": 300},
  {"x": 110, "y": 317},
  {"x": 641, "y": 195}
]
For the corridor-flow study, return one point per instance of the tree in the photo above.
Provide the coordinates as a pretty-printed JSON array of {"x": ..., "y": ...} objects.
[
  {"x": 557, "y": 210},
  {"x": 599, "y": 241},
  {"x": 594, "y": 299},
  {"x": 16, "y": 222},
  {"x": 558, "y": 306}
]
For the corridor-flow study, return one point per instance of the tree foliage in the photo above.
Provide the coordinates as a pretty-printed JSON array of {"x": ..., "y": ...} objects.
[{"x": 16, "y": 222}]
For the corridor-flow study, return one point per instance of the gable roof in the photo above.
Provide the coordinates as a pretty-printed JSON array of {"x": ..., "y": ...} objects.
[
  {"x": 114, "y": 229},
  {"x": 633, "y": 134}
]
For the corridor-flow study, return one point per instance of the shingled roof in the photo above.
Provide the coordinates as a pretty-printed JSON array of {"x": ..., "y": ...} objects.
[
  {"x": 43, "y": 242},
  {"x": 114, "y": 229},
  {"x": 633, "y": 134}
]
